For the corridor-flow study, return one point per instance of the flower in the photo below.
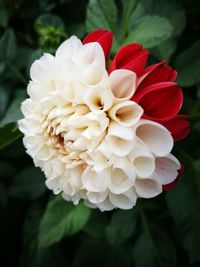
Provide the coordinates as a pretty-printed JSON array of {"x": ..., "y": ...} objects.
[{"x": 104, "y": 136}]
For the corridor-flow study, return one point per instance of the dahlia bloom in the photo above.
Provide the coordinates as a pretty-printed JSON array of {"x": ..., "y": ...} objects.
[{"x": 103, "y": 135}]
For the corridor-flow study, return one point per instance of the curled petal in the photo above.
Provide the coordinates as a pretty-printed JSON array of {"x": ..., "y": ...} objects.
[
  {"x": 90, "y": 53},
  {"x": 160, "y": 102},
  {"x": 96, "y": 124},
  {"x": 75, "y": 174},
  {"x": 28, "y": 106},
  {"x": 125, "y": 201},
  {"x": 68, "y": 188},
  {"x": 43, "y": 69},
  {"x": 95, "y": 75},
  {"x": 143, "y": 160},
  {"x": 69, "y": 48},
  {"x": 155, "y": 136},
  {"x": 96, "y": 159},
  {"x": 131, "y": 57},
  {"x": 95, "y": 181},
  {"x": 105, "y": 205},
  {"x": 54, "y": 184},
  {"x": 98, "y": 100},
  {"x": 148, "y": 187},
  {"x": 103, "y": 37},
  {"x": 37, "y": 91},
  {"x": 96, "y": 197},
  {"x": 29, "y": 125},
  {"x": 104, "y": 149},
  {"x": 122, "y": 176},
  {"x": 167, "y": 168},
  {"x": 120, "y": 139},
  {"x": 178, "y": 127},
  {"x": 169, "y": 186},
  {"x": 126, "y": 113},
  {"x": 123, "y": 84}
]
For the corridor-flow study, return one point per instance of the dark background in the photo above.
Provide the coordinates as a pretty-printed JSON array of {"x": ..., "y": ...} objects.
[{"x": 35, "y": 227}]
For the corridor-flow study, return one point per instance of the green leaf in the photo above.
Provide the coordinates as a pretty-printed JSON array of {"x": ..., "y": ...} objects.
[
  {"x": 188, "y": 64},
  {"x": 51, "y": 31},
  {"x": 98, "y": 253},
  {"x": 184, "y": 204},
  {"x": 7, "y": 46},
  {"x": 3, "y": 17},
  {"x": 170, "y": 10},
  {"x": 33, "y": 256},
  {"x": 122, "y": 226},
  {"x": 28, "y": 184},
  {"x": 49, "y": 20},
  {"x": 4, "y": 97},
  {"x": 96, "y": 224},
  {"x": 154, "y": 249},
  {"x": 101, "y": 14},
  {"x": 128, "y": 8},
  {"x": 13, "y": 113},
  {"x": 7, "y": 169},
  {"x": 150, "y": 32},
  {"x": 167, "y": 49},
  {"x": 3, "y": 200},
  {"x": 61, "y": 219},
  {"x": 8, "y": 134}
]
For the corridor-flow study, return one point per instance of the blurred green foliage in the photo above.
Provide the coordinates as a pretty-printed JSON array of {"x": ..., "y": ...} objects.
[{"x": 38, "y": 229}]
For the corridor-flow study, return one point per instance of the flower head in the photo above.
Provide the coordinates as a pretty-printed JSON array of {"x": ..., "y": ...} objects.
[{"x": 104, "y": 136}]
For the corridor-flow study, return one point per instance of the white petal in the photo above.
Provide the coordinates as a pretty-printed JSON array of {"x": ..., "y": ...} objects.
[
  {"x": 43, "y": 69},
  {"x": 28, "y": 106},
  {"x": 75, "y": 175},
  {"x": 68, "y": 70},
  {"x": 123, "y": 84},
  {"x": 148, "y": 187},
  {"x": 155, "y": 136},
  {"x": 89, "y": 204},
  {"x": 143, "y": 160},
  {"x": 106, "y": 205},
  {"x": 97, "y": 124},
  {"x": 67, "y": 187},
  {"x": 37, "y": 90},
  {"x": 68, "y": 48},
  {"x": 29, "y": 125},
  {"x": 97, "y": 160},
  {"x": 124, "y": 201},
  {"x": 54, "y": 184},
  {"x": 95, "y": 181},
  {"x": 120, "y": 139},
  {"x": 90, "y": 53},
  {"x": 95, "y": 197},
  {"x": 126, "y": 113},
  {"x": 104, "y": 149},
  {"x": 122, "y": 176},
  {"x": 167, "y": 168},
  {"x": 98, "y": 99},
  {"x": 95, "y": 75}
]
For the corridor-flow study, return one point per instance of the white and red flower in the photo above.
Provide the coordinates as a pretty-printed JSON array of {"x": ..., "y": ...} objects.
[{"x": 103, "y": 135}]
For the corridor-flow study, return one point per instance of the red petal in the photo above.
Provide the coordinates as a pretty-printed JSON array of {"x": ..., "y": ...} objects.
[
  {"x": 157, "y": 73},
  {"x": 131, "y": 57},
  {"x": 161, "y": 102},
  {"x": 103, "y": 37},
  {"x": 167, "y": 187},
  {"x": 178, "y": 127}
]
